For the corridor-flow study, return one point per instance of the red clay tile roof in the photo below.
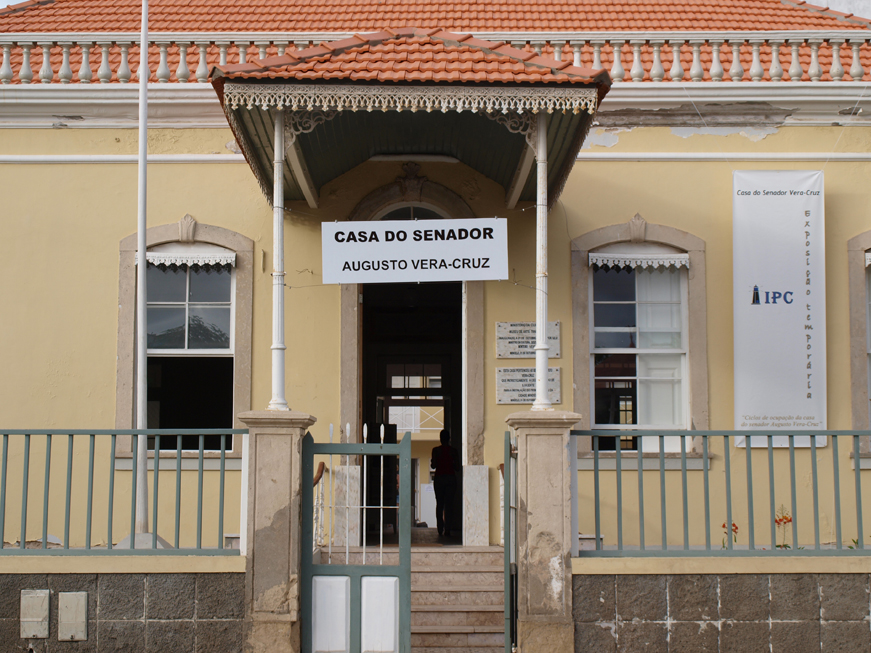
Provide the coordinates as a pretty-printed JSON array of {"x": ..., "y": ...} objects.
[
  {"x": 415, "y": 55},
  {"x": 461, "y": 15}
]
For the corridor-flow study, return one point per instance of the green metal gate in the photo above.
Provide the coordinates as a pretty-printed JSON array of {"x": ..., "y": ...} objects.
[{"x": 352, "y": 569}]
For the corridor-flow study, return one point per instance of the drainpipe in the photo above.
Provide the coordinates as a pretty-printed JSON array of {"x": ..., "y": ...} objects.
[
  {"x": 278, "y": 401},
  {"x": 141, "y": 520},
  {"x": 542, "y": 402}
]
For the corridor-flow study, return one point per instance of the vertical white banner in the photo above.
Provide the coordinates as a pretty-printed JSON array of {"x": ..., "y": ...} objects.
[{"x": 779, "y": 296}]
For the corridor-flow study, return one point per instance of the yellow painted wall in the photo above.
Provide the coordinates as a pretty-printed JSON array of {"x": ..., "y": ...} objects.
[{"x": 61, "y": 225}]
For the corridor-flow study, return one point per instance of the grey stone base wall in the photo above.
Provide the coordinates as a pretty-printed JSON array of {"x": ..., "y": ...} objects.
[
  {"x": 736, "y": 613},
  {"x": 134, "y": 613}
]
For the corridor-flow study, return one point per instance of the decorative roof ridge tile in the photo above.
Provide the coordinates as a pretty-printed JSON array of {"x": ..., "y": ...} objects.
[
  {"x": 353, "y": 41},
  {"x": 547, "y": 62},
  {"x": 364, "y": 41},
  {"x": 445, "y": 35},
  {"x": 377, "y": 37},
  {"x": 510, "y": 51},
  {"x": 313, "y": 51}
]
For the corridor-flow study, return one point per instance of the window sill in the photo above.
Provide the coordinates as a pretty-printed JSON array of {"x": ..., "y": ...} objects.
[
  {"x": 864, "y": 461},
  {"x": 649, "y": 461}
]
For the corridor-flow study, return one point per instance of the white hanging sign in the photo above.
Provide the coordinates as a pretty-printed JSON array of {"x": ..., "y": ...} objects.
[
  {"x": 410, "y": 251},
  {"x": 779, "y": 297}
]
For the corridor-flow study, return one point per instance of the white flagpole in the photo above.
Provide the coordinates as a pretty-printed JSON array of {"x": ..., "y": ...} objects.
[{"x": 141, "y": 296}]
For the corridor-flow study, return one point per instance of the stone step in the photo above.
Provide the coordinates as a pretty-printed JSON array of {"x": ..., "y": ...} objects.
[
  {"x": 437, "y": 595},
  {"x": 490, "y": 569},
  {"x": 456, "y": 629},
  {"x": 458, "y": 649},
  {"x": 460, "y": 557},
  {"x": 429, "y": 637},
  {"x": 456, "y": 608},
  {"x": 449, "y": 576},
  {"x": 423, "y": 556},
  {"x": 458, "y": 616}
]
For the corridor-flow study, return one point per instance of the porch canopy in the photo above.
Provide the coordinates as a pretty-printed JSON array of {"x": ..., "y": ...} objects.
[{"x": 409, "y": 92}]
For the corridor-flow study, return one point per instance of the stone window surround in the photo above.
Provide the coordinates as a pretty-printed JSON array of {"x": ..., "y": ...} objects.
[
  {"x": 638, "y": 230},
  {"x": 414, "y": 189},
  {"x": 186, "y": 230},
  {"x": 856, "y": 248}
]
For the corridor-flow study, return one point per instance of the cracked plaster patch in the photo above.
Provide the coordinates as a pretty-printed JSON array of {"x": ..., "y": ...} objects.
[{"x": 754, "y": 134}]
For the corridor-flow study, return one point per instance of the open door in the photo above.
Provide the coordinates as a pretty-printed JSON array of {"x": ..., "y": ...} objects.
[{"x": 411, "y": 378}]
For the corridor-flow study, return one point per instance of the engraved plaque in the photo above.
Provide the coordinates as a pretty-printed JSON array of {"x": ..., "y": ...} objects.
[
  {"x": 516, "y": 385},
  {"x": 517, "y": 339}
]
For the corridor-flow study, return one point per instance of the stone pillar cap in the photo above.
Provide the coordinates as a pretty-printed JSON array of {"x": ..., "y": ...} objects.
[
  {"x": 279, "y": 418},
  {"x": 543, "y": 419}
]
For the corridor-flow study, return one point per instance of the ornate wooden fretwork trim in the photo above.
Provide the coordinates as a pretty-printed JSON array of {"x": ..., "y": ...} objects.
[
  {"x": 518, "y": 123},
  {"x": 303, "y": 122},
  {"x": 486, "y": 99}
]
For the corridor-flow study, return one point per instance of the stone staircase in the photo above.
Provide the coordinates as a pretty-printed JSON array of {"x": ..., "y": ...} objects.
[
  {"x": 457, "y": 596},
  {"x": 457, "y": 600}
]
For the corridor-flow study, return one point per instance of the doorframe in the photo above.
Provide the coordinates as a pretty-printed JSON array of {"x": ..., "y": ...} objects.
[{"x": 471, "y": 379}]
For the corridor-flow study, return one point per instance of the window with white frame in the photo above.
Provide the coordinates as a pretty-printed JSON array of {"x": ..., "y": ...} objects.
[
  {"x": 190, "y": 321},
  {"x": 638, "y": 344},
  {"x": 868, "y": 318},
  {"x": 422, "y": 415}
]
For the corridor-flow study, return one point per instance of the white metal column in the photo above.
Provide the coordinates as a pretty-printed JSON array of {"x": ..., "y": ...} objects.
[
  {"x": 278, "y": 401},
  {"x": 542, "y": 402}
]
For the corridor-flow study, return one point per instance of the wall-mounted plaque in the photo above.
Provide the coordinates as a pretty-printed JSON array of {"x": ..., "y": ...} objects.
[
  {"x": 517, "y": 339},
  {"x": 516, "y": 385}
]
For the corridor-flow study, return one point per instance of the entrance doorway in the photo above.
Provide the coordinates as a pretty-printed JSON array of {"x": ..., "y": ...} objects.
[{"x": 411, "y": 352}]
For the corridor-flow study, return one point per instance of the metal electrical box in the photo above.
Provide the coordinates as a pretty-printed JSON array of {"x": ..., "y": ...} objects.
[
  {"x": 34, "y": 614},
  {"x": 72, "y": 616}
]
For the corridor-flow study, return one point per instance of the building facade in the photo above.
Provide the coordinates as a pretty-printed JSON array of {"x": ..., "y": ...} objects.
[{"x": 639, "y": 267}]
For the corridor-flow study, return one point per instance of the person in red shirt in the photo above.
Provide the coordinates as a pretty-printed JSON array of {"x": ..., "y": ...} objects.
[{"x": 446, "y": 463}]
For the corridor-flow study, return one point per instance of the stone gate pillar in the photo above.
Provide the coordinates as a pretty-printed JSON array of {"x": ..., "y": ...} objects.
[
  {"x": 544, "y": 530},
  {"x": 272, "y": 572}
]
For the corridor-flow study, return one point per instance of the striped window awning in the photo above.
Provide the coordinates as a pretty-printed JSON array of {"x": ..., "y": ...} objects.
[
  {"x": 182, "y": 259},
  {"x": 191, "y": 255},
  {"x": 676, "y": 259}
]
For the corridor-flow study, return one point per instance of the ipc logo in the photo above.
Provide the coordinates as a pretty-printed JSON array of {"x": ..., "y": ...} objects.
[{"x": 772, "y": 296}]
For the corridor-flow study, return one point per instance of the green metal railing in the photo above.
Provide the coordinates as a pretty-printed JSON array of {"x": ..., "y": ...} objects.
[
  {"x": 798, "y": 502},
  {"x": 101, "y": 448},
  {"x": 509, "y": 530}
]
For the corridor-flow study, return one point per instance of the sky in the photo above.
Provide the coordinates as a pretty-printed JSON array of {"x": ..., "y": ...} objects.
[{"x": 859, "y": 7}]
